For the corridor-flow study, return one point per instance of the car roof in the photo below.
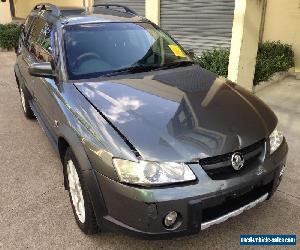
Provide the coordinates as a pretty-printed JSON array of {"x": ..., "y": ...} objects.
[
  {"x": 102, "y": 15},
  {"x": 71, "y": 8},
  {"x": 69, "y": 15},
  {"x": 71, "y": 11}
]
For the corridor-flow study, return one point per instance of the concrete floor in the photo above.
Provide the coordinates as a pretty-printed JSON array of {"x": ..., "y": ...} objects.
[{"x": 34, "y": 207}]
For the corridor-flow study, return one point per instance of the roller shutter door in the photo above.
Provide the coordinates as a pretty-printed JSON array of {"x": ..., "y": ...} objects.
[
  {"x": 199, "y": 24},
  {"x": 137, "y": 5}
]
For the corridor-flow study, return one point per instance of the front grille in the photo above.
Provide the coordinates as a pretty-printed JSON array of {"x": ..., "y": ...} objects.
[
  {"x": 233, "y": 203},
  {"x": 220, "y": 168}
]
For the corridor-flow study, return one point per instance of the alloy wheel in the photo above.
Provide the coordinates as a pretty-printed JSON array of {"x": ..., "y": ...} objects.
[
  {"x": 76, "y": 191},
  {"x": 23, "y": 100}
]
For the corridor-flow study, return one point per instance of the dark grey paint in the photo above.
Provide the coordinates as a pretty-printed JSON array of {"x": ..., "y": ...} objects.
[
  {"x": 180, "y": 114},
  {"x": 41, "y": 70}
]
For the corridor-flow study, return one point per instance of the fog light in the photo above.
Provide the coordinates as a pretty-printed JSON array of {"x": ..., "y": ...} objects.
[{"x": 170, "y": 219}]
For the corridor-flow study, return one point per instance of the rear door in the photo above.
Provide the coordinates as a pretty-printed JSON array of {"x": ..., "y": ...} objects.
[{"x": 25, "y": 58}]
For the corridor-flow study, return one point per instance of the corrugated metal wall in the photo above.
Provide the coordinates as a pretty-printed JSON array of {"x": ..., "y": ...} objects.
[
  {"x": 198, "y": 24},
  {"x": 136, "y": 5}
]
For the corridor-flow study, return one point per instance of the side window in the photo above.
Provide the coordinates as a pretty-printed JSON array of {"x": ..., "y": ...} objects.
[
  {"x": 26, "y": 27},
  {"x": 34, "y": 32},
  {"x": 39, "y": 40},
  {"x": 44, "y": 41},
  {"x": 27, "y": 24}
]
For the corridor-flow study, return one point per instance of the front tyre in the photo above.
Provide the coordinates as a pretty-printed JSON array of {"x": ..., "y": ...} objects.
[{"x": 79, "y": 195}]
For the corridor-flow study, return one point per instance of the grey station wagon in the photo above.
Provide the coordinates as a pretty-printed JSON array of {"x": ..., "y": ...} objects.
[{"x": 151, "y": 143}]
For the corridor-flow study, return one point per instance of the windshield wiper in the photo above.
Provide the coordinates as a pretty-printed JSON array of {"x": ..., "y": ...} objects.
[
  {"x": 146, "y": 68},
  {"x": 131, "y": 70},
  {"x": 177, "y": 64}
]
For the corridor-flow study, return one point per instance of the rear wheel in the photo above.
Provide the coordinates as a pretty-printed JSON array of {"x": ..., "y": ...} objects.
[
  {"x": 25, "y": 104},
  {"x": 79, "y": 195}
]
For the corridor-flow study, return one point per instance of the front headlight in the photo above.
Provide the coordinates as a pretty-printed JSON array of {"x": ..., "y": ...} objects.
[
  {"x": 152, "y": 173},
  {"x": 276, "y": 138}
]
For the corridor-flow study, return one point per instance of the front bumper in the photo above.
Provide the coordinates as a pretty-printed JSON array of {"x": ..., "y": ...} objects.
[
  {"x": 234, "y": 213},
  {"x": 140, "y": 211}
]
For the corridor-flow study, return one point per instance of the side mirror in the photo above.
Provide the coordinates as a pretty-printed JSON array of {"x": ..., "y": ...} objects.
[
  {"x": 191, "y": 53},
  {"x": 41, "y": 70}
]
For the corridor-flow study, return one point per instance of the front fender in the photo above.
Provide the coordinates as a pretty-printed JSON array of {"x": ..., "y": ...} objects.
[
  {"x": 95, "y": 193},
  {"x": 75, "y": 142}
]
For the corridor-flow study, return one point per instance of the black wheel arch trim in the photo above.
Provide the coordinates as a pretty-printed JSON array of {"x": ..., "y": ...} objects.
[
  {"x": 96, "y": 196},
  {"x": 98, "y": 203},
  {"x": 70, "y": 136},
  {"x": 21, "y": 81},
  {"x": 18, "y": 75}
]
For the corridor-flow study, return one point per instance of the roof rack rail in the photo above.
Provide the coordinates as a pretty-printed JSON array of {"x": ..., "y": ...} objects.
[
  {"x": 108, "y": 6},
  {"x": 55, "y": 11}
]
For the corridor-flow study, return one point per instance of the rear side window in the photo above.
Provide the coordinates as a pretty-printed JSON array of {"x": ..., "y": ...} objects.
[
  {"x": 39, "y": 40},
  {"x": 27, "y": 24},
  {"x": 26, "y": 27}
]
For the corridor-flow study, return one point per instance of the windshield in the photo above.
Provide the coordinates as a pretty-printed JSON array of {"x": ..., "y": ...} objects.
[{"x": 94, "y": 50}]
